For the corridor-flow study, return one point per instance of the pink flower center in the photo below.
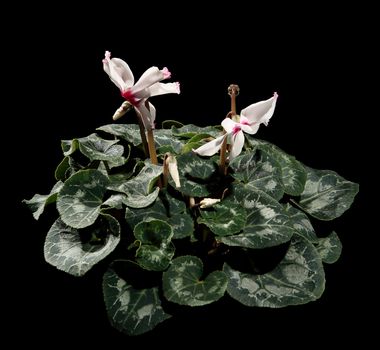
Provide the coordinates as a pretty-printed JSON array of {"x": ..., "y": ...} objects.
[
  {"x": 128, "y": 95},
  {"x": 236, "y": 129},
  {"x": 244, "y": 120}
]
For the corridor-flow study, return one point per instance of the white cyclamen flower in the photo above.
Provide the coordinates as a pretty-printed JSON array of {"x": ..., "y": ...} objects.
[
  {"x": 137, "y": 94},
  {"x": 249, "y": 122}
]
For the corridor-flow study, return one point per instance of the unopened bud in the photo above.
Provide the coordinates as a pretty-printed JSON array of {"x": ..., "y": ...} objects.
[
  {"x": 123, "y": 109},
  {"x": 208, "y": 202}
]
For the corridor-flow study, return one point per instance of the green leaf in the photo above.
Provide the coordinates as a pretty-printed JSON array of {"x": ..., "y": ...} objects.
[
  {"x": 267, "y": 222},
  {"x": 131, "y": 311},
  {"x": 293, "y": 172},
  {"x": 115, "y": 201},
  {"x": 96, "y": 148},
  {"x": 65, "y": 249},
  {"x": 259, "y": 171},
  {"x": 301, "y": 223},
  {"x": 127, "y": 132},
  {"x": 139, "y": 190},
  {"x": 327, "y": 195},
  {"x": 165, "y": 208},
  {"x": 62, "y": 168},
  {"x": 194, "y": 172},
  {"x": 329, "y": 248},
  {"x": 156, "y": 249},
  {"x": 224, "y": 219},
  {"x": 80, "y": 198},
  {"x": 182, "y": 284},
  {"x": 298, "y": 279},
  {"x": 164, "y": 139},
  {"x": 38, "y": 202},
  {"x": 191, "y": 130}
]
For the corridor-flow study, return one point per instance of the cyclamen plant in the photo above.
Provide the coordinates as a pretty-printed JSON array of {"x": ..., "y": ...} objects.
[{"x": 188, "y": 224}]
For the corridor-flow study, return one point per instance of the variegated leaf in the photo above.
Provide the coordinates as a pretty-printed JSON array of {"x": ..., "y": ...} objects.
[
  {"x": 80, "y": 198},
  {"x": 293, "y": 172},
  {"x": 327, "y": 195},
  {"x": 191, "y": 130},
  {"x": 156, "y": 250},
  {"x": 131, "y": 311},
  {"x": 329, "y": 248},
  {"x": 224, "y": 219},
  {"x": 140, "y": 189},
  {"x": 259, "y": 171},
  {"x": 38, "y": 202},
  {"x": 127, "y": 132},
  {"x": 267, "y": 223},
  {"x": 168, "y": 209},
  {"x": 182, "y": 282},
  {"x": 65, "y": 249},
  {"x": 298, "y": 279}
]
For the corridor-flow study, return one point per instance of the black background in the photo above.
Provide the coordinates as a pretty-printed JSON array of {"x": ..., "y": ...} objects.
[{"x": 316, "y": 59}]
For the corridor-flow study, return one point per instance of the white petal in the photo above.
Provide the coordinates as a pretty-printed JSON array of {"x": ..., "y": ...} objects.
[
  {"x": 146, "y": 115},
  {"x": 260, "y": 112},
  {"x": 210, "y": 148},
  {"x": 250, "y": 129},
  {"x": 161, "y": 89},
  {"x": 237, "y": 143},
  {"x": 228, "y": 125},
  {"x": 151, "y": 76},
  {"x": 118, "y": 71},
  {"x": 152, "y": 110}
]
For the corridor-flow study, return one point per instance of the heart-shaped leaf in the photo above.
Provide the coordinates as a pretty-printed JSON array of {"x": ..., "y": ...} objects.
[
  {"x": 156, "y": 250},
  {"x": 127, "y": 132},
  {"x": 224, "y": 219},
  {"x": 182, "y": 282},
  {"x": 298, "y": 279},
  {"x": 168, "y": 209},
  {"x": 66, "y": 250},
  {"x": 131, "y": 311},
  {"x": 327, "y": 195},
  {"x": 267, "y": 223},
  {"x": 80, "y": 198},
  {"x": 258, "y": 170},
  {"x": 139, "y": 190},
  {"x": 293, "y": 172},
  {"x": 194, "y": 172}
]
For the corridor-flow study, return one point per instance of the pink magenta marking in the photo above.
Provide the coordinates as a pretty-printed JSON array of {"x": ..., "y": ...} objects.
[
  {"x": 236, "y": 129},
  {"x": 244, "y": 121},
  {"x": 166, "y": 72},
  {"x": 127, "y": 94}
]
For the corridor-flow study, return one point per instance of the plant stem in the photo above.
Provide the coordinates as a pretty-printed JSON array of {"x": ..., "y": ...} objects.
[
  {"x": 152, "y": 148},
  {"x": 233, "y": 91},
  {"x": 143, "y": 137}
]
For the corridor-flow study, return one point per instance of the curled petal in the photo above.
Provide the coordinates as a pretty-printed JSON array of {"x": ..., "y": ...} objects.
[
  {"x": 237, "y": 143},
  {"x": 118, "y": 71},
  {"x": 147, "y": 115},
  {"x": 250, "y": 129},
  {"x": 260, "y": 112},
  {"x": 212, "y": 147},
  {"x": 151, "y": 76},
  {"x": 229, "y": 125},
  {"x": 161, "y": 89}
]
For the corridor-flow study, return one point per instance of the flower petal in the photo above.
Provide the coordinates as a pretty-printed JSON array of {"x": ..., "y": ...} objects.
[
  {"x": 250, "y": 129},
  {"x": 118, "y": 71},
  {"x": 147, "y": 115},
  {"x": 151, "y": 76},
  {"x": 173, "y": 170},
  {"x": 210, "y": 148},
  {"x": 237, "y": 143},
  {"x": 260, "y": 112},
  {"x": 161, "y": 89},
  {"x": 229, "y": 125}
]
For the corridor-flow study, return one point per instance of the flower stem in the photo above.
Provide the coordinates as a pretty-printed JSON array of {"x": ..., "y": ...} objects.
[
  {"x": 143, "y": 137},
  {"x": 152, "y": 148},
  {"x": 233, "y": 91}
]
